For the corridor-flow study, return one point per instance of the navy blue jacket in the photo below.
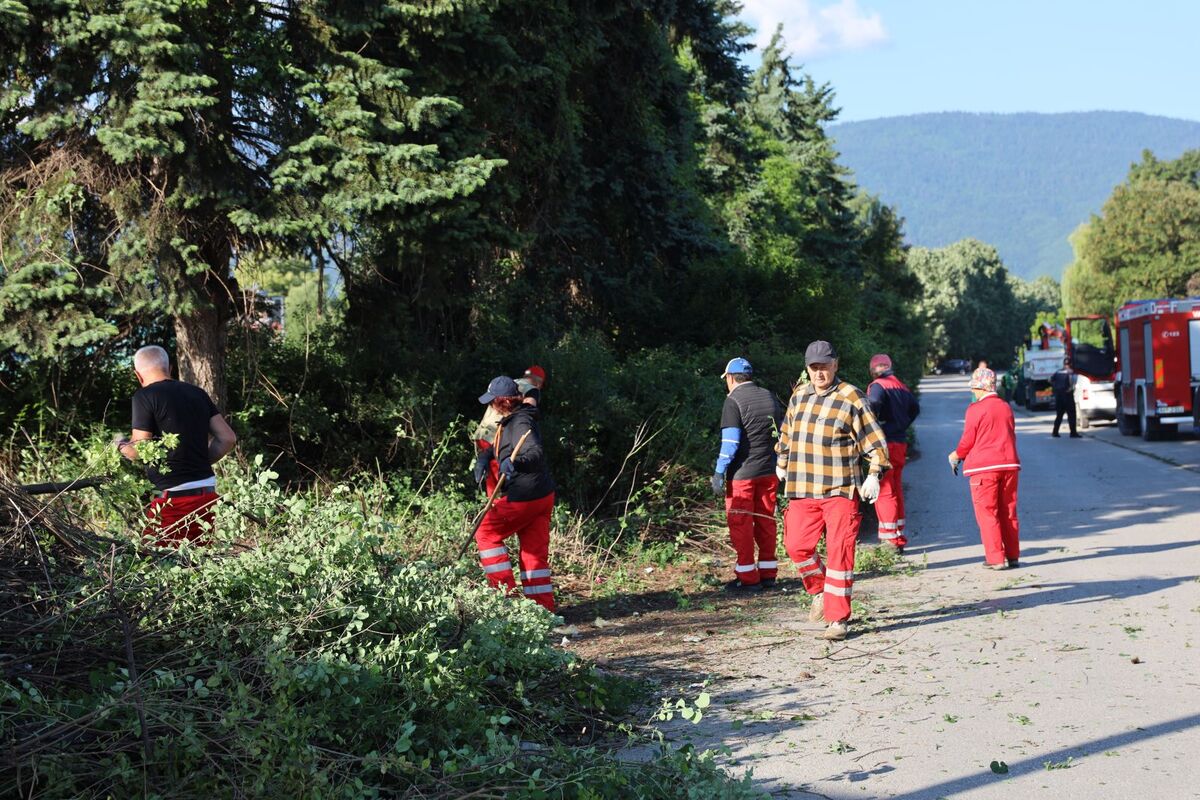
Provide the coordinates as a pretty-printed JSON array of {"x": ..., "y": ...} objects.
[{"x": 894, "y": 405}]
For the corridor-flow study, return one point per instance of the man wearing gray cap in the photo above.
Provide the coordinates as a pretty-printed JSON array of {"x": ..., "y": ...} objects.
[{"x": 828, "y": 430}]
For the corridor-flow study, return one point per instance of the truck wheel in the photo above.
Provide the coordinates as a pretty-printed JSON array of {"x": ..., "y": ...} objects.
[{"x": 1146, "y": 424}]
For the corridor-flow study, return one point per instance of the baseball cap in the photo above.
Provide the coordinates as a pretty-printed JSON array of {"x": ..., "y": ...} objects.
[
  {"x": 880, "y": 361},
  {"x": 738, "y": 366},
  {"x": 819, "y": 352},
  {"x": 536, "y": 372},
  {"x": 501, "y": 386}
]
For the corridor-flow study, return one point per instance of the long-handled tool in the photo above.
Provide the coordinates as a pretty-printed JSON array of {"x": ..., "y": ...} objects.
[
  {"x": 475, "y": 523},
  {"x": 66, "y": 486}
]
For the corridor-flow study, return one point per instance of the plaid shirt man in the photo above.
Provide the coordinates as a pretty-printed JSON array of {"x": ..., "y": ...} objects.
[{"x": 824, "y": 436}]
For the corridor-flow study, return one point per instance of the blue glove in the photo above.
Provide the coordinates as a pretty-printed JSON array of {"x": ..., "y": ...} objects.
[
  {"x": 718, "y": 483},
  {"x": 507, "y": 468},
  {"x": 481, "y": 464}
]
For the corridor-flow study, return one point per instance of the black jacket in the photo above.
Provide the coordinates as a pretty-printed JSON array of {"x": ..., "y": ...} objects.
[
  {"x": 532, "y": 480},
  {"x": 1063, "y": 383}
]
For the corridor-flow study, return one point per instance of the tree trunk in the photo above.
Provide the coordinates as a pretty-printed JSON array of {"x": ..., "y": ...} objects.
[{"x": 201, "y": 336}]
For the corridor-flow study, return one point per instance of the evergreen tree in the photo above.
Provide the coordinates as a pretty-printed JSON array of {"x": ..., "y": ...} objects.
[{"x": 151, "y": 144}]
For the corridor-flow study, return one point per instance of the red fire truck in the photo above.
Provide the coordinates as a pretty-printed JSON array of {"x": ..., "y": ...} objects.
[{"x": 1158, "y": 363}]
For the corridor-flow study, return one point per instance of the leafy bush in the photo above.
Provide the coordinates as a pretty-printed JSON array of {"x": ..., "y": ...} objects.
[{"x": 302, "y": 654}]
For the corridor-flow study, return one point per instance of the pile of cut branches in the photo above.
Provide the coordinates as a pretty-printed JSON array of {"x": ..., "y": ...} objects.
[{"x": 317, "y": 662}]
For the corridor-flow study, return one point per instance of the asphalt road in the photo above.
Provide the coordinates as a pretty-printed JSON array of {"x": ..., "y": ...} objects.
[{"x": 1080, "y": 671}]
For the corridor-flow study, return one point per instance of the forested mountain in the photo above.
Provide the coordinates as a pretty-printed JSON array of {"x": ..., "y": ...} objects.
[{"x": 1022, "y": 182}]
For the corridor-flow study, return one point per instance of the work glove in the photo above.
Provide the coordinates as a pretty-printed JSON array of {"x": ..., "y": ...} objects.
[
  {"x": 718, "y": 483},
  {"x": 507, "y": 468},
  {"x": 781, "y": 473},
  {"x": 870, "y": 488},
  {"x": 954, "y": 461},
  {"x": 482, "y": 460}
]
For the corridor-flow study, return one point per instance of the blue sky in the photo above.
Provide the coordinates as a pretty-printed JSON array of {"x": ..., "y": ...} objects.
[{"x": 891, "y": 57}]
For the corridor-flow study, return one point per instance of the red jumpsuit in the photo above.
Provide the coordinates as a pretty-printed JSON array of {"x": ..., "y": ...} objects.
[
  {"x": 988, "y": 449},
  {"x": 524, "y": 510},
  {"x": 896, "y": 408}
]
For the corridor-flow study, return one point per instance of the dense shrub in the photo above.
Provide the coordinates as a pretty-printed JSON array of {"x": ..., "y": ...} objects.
[{"x": 318, "y": 660}]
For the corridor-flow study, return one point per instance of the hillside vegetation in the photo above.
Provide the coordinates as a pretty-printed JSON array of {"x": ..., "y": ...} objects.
[{"x": 1021, "y": 182}]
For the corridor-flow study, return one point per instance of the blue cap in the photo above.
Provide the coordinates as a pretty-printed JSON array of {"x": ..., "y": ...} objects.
[
  {"x": 500, "y": 387},
  {"x": 738, "y": 366}
]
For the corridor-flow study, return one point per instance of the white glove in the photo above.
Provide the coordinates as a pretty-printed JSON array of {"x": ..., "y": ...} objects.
[
  {"x": 781, "y": 473},
  {"x": 953, "y": 458},
  {"x": 870, "y": 489}
]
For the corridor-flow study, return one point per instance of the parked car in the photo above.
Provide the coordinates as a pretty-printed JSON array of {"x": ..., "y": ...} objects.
[
  {"x": 950, "y": 366},
  {"x": 1094, "y": 399}
]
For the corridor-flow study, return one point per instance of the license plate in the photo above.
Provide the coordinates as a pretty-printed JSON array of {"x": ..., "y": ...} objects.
[{"x": 1170, "y": 409}]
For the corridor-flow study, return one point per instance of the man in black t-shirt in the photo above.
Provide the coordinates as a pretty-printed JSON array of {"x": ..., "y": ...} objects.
[
  {"x": 187, "y": 485},
  {"x": 749, "y": 427}
]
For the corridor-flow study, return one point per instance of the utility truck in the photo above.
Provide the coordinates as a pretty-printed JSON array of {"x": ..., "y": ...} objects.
[{"x": 1040, "y": 359}]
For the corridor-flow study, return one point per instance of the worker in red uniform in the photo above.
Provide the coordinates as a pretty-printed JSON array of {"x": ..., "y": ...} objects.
[
  {"x": 745, "y": 475},
  {"x": 184, "y": 509},
  {"x": 988, "y": 454},
  {"x": 526, "y": 501},
  {"x": 828, "y": 431},
  {"x": 895, "y": 406},
  {"x": 486, "y": 473}
]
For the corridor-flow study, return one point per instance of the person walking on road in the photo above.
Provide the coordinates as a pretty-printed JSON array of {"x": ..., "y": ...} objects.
[
  {"x": 183, "y": 511},
  {"x": 896, "y": 407},
  {"x": 988, "y": 454},
  {"x": 527, "y": 501},
  {"x": 1062, "y": 383},
  {"x": 827, "y": 431},
  {"x": 749, "y": 427}
]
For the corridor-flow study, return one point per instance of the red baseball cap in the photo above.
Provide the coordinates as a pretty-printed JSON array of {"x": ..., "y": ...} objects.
[{"x": 536, "y": 372}]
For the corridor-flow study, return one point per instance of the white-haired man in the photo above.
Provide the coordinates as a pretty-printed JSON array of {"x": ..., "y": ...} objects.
[{"x": 187, "y": 485}]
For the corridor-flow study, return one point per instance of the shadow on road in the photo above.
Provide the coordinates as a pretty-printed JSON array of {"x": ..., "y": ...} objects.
[
  {"x": 1030, "y": 555},
  {"x": 1043, "y": 594},
  {"x": 1036, "y": 764}
]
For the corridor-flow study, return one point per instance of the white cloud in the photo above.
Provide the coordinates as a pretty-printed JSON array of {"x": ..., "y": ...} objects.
[{"x": 813, "y": 31}]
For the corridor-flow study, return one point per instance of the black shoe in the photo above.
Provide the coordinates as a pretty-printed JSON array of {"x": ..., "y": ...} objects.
[
  {"x": 1014, "y": 563},
  {"x": 1055, "y": 435},
  {"x": 736, "y": 585},
  {"x": 767, "y": 583},
  {"x": 1076, "y": 435}
]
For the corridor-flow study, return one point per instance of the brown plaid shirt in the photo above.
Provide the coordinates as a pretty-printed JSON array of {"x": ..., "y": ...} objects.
[{"x": 824, "y": 437}]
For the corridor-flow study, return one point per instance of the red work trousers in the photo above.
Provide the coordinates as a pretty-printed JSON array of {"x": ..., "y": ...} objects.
[
  {"x": 530, "y": 521},
  {"x": 750, "y": 514},
  {"x": 174, "y": 520},
  {"x": 890, "y": 505},
  {"x": 803, "y": 523},
  {"x": 994, "y": 495}
]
